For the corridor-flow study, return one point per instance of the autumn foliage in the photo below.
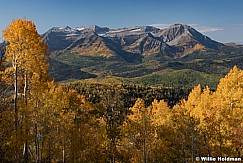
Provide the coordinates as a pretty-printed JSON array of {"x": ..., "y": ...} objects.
[{"x": 40, "y": 121}]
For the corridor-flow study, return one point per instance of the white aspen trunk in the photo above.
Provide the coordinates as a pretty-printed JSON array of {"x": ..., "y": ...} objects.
[{"x": 16, "y": 95}]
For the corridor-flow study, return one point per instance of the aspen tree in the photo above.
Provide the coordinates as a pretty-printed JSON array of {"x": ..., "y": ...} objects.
[{"x": 26, "y": 53}]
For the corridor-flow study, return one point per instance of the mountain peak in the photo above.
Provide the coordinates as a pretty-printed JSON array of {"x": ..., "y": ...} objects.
[
  {"x": 177, "y": 25},
  {"x": 94, "y": 28},
  {"x": 67, "y": 28},
  {"x": 180, "y": 25},
  {"x": 184, "y": 37},
  {"x": 182, "y": 28},
  {"x": 61, "y": 29},
  {"x": 171, "y": 33}
]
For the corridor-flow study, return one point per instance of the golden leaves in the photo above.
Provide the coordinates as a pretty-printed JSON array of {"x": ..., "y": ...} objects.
[{"x": 26, "y": 48}]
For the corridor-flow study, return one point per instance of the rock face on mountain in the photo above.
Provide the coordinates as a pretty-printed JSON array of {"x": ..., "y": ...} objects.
[
  {"x": 184, "y": 37},
  {"x": 175, "y": 41},
  {"x": 91, "y": 44},
  {"x": 147, "y": 44}
]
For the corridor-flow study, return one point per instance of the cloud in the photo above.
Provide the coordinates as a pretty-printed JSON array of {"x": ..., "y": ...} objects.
[
  {"x": 200, "y": 28},
  {"x": 205, "y": 28},
  {"x": 160, "y": 26}
]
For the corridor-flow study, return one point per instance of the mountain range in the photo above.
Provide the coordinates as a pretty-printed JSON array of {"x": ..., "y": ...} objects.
[
  {"x": 129, "y": 43},
  {"x": 141, "y": 54}
]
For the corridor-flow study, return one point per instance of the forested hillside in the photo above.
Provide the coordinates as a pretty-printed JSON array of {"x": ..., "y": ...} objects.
[
  {"x": 94, "y": 92},
  {"x": 43, "y": 121}
]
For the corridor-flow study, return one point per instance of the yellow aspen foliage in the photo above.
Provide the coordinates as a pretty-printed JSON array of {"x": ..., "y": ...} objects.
[
  {"x": 193, "y": 98},
  {"x": 230, "y": 87},
  {"x": 230, "y": 108},
  {"x": 160, "y": 112},
  {"x": 230, "y": 90},
  {"x": 26, "y": 48},
  {"x": 216, "y": 117},
  {"x": 144, "y": 132},
  {"x": 137, "y": 130},
  {"x": 137, "y": 110},
  {"x": 202, "y": 108},
  {"x": 7, "y": 75}
]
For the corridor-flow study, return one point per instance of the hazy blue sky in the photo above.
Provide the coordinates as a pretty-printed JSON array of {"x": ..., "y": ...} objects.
[{"x": 222, "y": 20}]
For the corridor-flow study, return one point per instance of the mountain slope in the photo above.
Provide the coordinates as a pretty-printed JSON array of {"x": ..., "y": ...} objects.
[
  {"x": 182, "y": 78},
  {"x": 91, "y": 45},
  {"x": 147, "y": 44},
  {"x": 185, "y": 37},
  {"x": 61, "y": 71}
]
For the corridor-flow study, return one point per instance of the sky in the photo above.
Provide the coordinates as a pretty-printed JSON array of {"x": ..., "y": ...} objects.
[{"x": 221, "y": 20}]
